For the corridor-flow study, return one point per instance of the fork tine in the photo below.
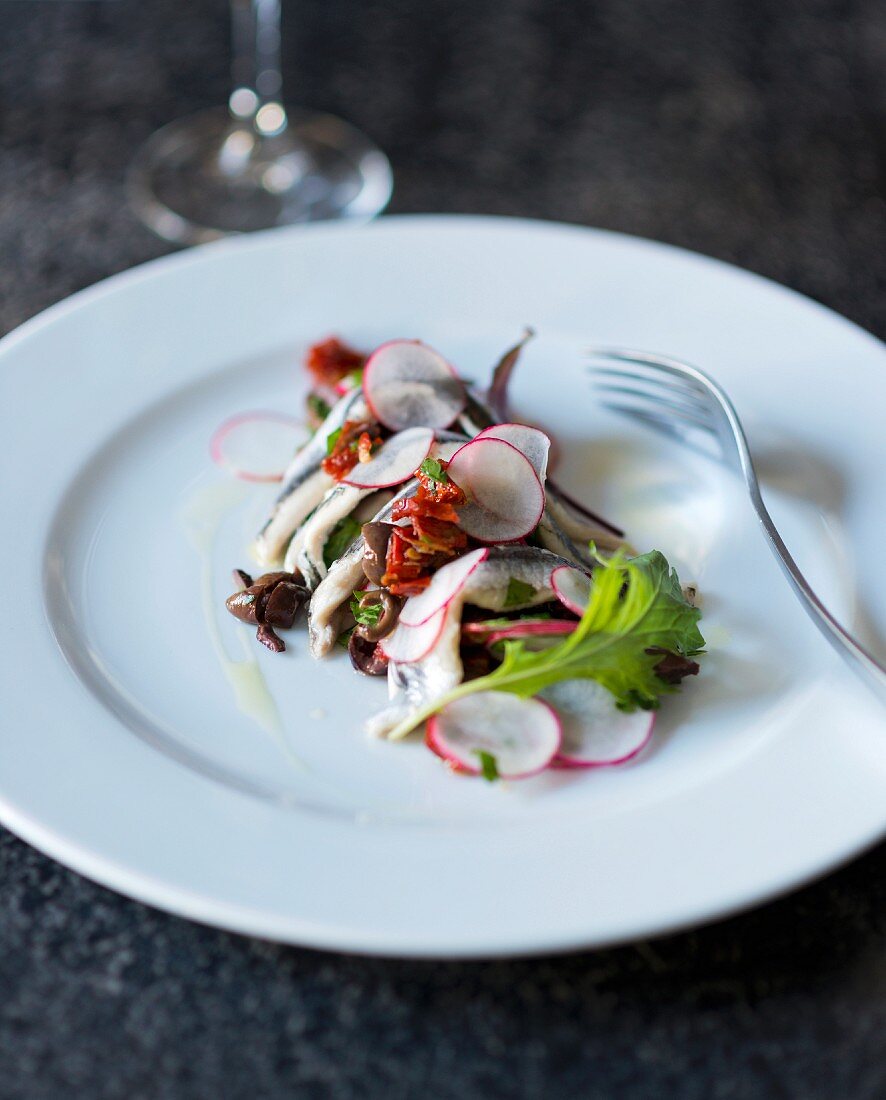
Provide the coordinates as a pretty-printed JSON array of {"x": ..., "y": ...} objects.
[
  {"x": 652, "y": 375},
  {"x": 687, "y": 435},
  {"x": 645, "y": 359},
  {"x": 698, "y": 413}
]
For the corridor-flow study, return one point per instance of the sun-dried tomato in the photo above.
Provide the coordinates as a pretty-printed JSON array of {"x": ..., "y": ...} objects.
[
  {"x": 331, "y": 360},
  {"x": 441, "y": 492},
  {"x": 429, "y": 540},
  {"x": 354, "y": 443}
]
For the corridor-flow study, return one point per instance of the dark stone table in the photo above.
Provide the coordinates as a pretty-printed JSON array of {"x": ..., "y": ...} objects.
[{"x": 754, "y": 131}]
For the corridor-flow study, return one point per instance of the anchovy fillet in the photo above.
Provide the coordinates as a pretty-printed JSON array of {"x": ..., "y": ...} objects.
[
  {"x": 345, "y": 574},
  {"x": 305, "y": 551},
  {"x": 304, "y": 482},
  {"x": 579, "y": 528}
]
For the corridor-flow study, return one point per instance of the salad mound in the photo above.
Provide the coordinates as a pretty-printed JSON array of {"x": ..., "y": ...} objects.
[{"x": 418, "y": 528}]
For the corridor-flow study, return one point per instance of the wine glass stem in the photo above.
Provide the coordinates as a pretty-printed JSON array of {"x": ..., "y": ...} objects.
[{"x": 255, "y": 27}]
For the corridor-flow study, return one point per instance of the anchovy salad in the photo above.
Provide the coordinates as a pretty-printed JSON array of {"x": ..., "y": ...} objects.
[{"x": 418, "y": 528}]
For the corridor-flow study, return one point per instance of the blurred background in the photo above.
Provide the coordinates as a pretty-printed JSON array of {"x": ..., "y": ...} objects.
[{"x": 750, "y": 130}]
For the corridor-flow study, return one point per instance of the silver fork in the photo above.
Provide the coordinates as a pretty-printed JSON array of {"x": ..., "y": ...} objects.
[{"x": 684, "y": 403}]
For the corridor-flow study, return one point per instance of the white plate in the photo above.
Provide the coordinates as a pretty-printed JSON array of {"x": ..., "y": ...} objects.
[{"x": 123, "y": 753}]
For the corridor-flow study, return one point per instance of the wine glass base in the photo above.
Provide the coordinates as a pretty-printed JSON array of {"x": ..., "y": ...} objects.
[{"x": 210, "y": 175}]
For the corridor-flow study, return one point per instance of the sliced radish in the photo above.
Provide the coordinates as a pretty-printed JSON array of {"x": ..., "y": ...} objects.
[
  {"x": 256, "y": 446},
  {"x": 395, "y": 461},
  {"x": 531, "y": 442},
  {"x": 407, "y": 384},
  {"x": 521, "y": 735},
  {"x": 407, "y": 644},
  {"x": 482, "y": 629},
  {"x": 446, "y": 582},
  {"x": 505, "y": 497},
  {"x": 572, "y": 588},
  {"x": 595, "y": 731},
  {"x": 552, "y": 628}
]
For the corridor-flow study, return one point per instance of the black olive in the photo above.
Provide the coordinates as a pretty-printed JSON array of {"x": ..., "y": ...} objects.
[{"x": 365, "y": 656}]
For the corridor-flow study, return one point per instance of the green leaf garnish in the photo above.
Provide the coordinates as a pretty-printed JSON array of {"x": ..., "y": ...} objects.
[
  {"x": 365, "y": 616},
  {"x": 331, "y": 440},
  {"x": 519, "y": 592},
  {"x": 318, "y": 407},
  {"x": 340, "y": 538},
  {"x": 636, "y": 604},
  {"x": 489, "y": 765},
  {"x": 433, "y": 468},
  {"x": 345, "y": 637},
  {"x": 354, "y": 379}
]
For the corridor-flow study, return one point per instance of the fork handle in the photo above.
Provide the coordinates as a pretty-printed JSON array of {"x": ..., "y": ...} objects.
[{"x": 853, "y": 652}]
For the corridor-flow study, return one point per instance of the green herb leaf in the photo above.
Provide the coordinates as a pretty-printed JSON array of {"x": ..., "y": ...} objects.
[
  {"x": 340, "y": 538},
  {"x": 433, "y": 468},
  {"x": 317, "y": 407},
  {"x": 635, "y": 605},
  {"x": 331, "y": 440},
  {"x": 489, "y": 765},
  {"x": 365, "y": 616},
  {"x": 519, "y": 592},
  {"x": 345, "y": 637},
  {"x": 354, "y": 379}
]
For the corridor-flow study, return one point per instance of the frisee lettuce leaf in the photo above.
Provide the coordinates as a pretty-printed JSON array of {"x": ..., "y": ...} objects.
[{"x": 636, "y": 604}]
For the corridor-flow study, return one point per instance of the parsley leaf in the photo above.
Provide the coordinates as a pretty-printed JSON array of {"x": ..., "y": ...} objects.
[
  {"x": 366, "y": 616},
  {"x": 317, "y": 407},
  {"x": 331, "y": 440},
  {"x": 519, "y": 592},
  {"x": 488, "y": 764},
  {"x": 433, "y": 468},
  {"x": 636, "y": 605},
  {"x": 354, "y": 379},
  {"x": 340, "y": 538}
]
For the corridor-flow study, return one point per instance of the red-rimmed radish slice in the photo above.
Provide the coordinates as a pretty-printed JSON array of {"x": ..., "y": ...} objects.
[
  {"x": 595, "y": 731},
  {"x": 531, "y": 442},
  {"x": 521, "y": 735},
  {"x": 482, "y": 629},
  {"x": 505, "y": 497},
  {"x": 407, "y": 644},
  {"x": 553, "y": 629},
  {"x": 256, "y": 446},
  {"x": 395, "y": 461},
  {"x": 446, "y": 583},
  {"x": 572, "y": 588},
  {"x": 407, "y": 384}
]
